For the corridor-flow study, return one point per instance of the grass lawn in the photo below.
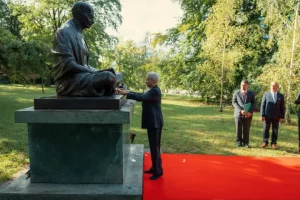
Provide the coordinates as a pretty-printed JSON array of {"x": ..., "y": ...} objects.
[{"x": 190, "y": 127}]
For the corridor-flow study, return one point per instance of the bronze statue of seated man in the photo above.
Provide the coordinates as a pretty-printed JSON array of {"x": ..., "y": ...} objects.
[{"x": 74, "y": 77}]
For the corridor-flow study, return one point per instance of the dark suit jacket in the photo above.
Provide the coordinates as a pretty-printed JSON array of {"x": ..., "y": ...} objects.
[
  {"x": 298, "y": 102},
  {"x": 151, "y": 102},
  {"x": 238, "y": 102},
  {"x": 269, "y": 108}
]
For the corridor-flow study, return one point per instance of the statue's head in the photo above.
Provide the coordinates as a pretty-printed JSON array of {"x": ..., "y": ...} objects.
[{"x": 84, "y": 13}]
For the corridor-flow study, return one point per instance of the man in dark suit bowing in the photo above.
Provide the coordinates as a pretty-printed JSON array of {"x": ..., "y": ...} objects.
[
  {"x": 272, "y": 112},
  {"x": 152, "y": 120},
  {"x": 243, "y": 114},
  {"x": 298, "y": 102}
]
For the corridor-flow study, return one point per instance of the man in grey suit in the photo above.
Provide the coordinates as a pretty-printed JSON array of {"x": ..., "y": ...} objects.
[
  {"x": 152, "y": 120},
  {"x": 272, "y": 112},
  {"x": 242, "y": 116},
  {"x": 298, "y": 102}
]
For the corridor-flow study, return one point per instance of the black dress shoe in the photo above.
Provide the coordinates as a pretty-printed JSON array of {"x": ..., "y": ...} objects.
[
  {"x": 155, "y": 176},
  {"x": 150, "y": 171},
  {"x": 132, "y": 136}
]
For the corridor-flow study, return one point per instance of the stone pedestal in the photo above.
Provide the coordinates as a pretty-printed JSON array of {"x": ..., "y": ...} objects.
[
  {"x": 78, "y": 150},
  {"x": 78, "y": 153},
  {"x": 131, "y": 189}
]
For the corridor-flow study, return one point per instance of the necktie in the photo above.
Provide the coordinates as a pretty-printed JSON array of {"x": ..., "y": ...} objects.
[
  {"x": 244, "y": 97},
  {"x": 274, "y": 97}
]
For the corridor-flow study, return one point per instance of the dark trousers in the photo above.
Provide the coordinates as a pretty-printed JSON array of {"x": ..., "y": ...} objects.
[
  {"x": 267, "y": 125},
  {"x": 154, "y": 136},
  {"x": 242, "y": 127},
  {"x": 299, "y": 132}
]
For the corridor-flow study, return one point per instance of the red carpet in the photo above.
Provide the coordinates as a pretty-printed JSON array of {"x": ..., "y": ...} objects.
[{"x": 191, "y": 177}]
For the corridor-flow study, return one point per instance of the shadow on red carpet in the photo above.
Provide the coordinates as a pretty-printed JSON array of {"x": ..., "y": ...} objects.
[{"x": 208, "y": 177}]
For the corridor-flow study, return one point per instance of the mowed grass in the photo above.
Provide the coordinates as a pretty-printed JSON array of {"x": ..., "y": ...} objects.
[
  {"x": 195, "y": 128},
  {"x": 13, "y": 136},
  {"x": 190, "y": 127}
]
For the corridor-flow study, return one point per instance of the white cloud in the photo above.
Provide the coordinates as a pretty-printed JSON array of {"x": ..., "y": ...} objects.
[{"x": 141, "y": 16}]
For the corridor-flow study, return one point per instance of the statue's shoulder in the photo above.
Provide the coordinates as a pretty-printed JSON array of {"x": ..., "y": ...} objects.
[{"x": 65, "y": 29}]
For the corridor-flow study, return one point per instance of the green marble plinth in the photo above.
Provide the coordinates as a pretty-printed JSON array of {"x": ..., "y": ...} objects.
[
  {"x": 78, "y": 146},
  {"x": 131, "y": 189},
  {"x": 77, "y": 153}
]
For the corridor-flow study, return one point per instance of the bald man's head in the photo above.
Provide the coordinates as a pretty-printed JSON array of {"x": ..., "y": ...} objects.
[
  {"x": 274, "y": 86},
  {"x": 83, "y": 13}
]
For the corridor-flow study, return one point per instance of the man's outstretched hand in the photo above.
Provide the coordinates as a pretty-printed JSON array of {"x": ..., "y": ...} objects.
[{"x": 122, "y": 91}]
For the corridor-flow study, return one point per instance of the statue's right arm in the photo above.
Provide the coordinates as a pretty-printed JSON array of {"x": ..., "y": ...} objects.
[
  {"x": 76, "y": 68},
  {"x": 93, "y": 68}
]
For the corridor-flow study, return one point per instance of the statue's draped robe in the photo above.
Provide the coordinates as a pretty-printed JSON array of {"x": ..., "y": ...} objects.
[{"x": 69, "y": 45}]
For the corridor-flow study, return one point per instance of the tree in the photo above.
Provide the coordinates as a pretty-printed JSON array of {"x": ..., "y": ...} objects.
[
  {"x": 258, "y": 49},
  {"x": 282, "y": 18},
  {"x": 8, "y": 21},
  {"x": 25, "y": 61},
  {"x": 221, "y": 49},
  {"x": 5, "y": 39},
  {"x": 186, "y": 41},
  {"x": 129, "y": 61}
]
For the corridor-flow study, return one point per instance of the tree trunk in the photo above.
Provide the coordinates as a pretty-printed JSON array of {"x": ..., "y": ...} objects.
[
  {"x": 43, "y": 86},
  {"x": 221, "y": 97},
  {"x": 222, "y": 75},
  {"x": 48, "y": 81},
  {"x": 290, "y": 79}
]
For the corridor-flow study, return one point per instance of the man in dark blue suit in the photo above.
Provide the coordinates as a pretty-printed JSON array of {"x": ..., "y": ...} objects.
[
  {"x": 298, "y": 102},
  {"x": 272, "y": 112},
  {"x": 242, "y": 116},
  {"x": 152, "y": 120}
]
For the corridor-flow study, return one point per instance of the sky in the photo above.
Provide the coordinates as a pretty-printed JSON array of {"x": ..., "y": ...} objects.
[{"x": 142, "y": 16}]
